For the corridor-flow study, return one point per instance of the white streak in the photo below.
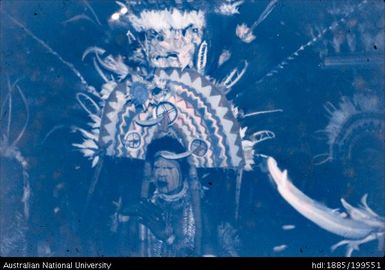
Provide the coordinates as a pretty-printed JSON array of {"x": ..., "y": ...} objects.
[
  {"x": 27, "y": 117},
  {"x": 322, "y": 158},
  {"x": 202, "y": 57},
  {"x": 9, "y": 108},
  {"x": 95, "y": 106},
  {"x": 238, "y": 186},
  {"x": 95, "y": 50},
  {"x": 115, "y": 65},
  {"x": 87, "y": 134},
  {"x": 95, "y": 161},
  {"x": 306, "y": 45},
  {"x": 319, "y": 214},
  {"x": 77, "y": 18},
  {"x": 99, "y": 71},
  {"x": 266, "y": 12},
  {"x": 360, "y": 227},
  {"x": 279, "y": 248},
  {"x": 149, "y": 122},
  {"x": 234, "y": 76},
  {"x": 245, "y": 33},
  {"x": 172, "y": 156},
  {"x": 52, "y": 130},
  {"x": 262, "y": 135},
  {"x": 288, "y": 227},
  {"x": 130, "y": 36},
  {"x": 261, "y": 112},
  {"x": 92, "y": 11}
]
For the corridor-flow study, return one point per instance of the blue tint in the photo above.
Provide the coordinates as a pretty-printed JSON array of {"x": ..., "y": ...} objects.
[{"x": 315, "y": 71}]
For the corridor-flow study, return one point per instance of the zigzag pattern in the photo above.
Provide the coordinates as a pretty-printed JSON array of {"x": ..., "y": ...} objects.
[
  {"x": 125, "y": 120},
  {"x": 207, "y": 113},
  {"x": 203, "y": 112},
  {"x": 208, "y": 123},
  {"x": 108, "y": 127},
  {"x": 191, "y": 119},
  {"x": 212, "y": 98}
]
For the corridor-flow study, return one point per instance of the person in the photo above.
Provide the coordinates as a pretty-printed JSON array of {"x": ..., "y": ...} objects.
[
  {"x": 171, "y": 215},
  {"x": 175, "y": 218}
]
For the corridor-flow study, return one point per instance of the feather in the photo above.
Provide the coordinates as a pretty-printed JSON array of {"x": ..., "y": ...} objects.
[{"x": 202, "y": 57}]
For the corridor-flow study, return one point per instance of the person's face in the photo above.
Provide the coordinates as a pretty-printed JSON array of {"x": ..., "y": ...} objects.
[{"x": 167, "y": 175}]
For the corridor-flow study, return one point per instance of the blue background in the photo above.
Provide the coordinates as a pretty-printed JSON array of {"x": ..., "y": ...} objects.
[{"x": 60, "y": 176}]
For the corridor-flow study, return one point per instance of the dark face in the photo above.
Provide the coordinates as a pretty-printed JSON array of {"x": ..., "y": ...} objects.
[{"x": 167, "y": 175}]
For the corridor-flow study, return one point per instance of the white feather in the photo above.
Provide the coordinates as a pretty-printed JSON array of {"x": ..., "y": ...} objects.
[
  {"x": 202, "y": 57},
  {"x": 90, "y": 144},
  {"x": 95, "y": 161},
  {"x": 87, "y": 152}
]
